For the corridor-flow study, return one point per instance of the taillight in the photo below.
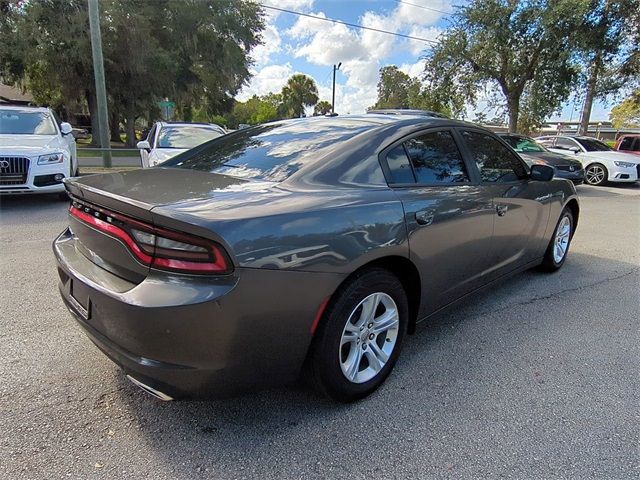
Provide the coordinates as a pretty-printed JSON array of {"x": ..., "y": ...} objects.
[{"x": 157, "y": 247}]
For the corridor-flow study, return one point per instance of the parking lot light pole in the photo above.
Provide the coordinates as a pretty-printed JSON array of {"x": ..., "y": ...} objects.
[
  {"x": 101, "y": 90},
  {"x": 333, "y": 91}
]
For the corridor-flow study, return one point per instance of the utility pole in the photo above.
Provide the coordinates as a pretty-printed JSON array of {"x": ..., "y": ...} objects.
[
  {"x": 101, "y": 90},
  {"x": 333, "y": 91}
]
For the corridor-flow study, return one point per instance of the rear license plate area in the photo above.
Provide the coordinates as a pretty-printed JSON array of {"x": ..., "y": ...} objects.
[{"x": 80, "y": 299}]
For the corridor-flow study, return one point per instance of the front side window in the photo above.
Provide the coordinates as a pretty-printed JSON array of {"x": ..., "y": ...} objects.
[
  {"x": 566, "y": 144},
  {"x": 626, "y": 143},
  {"x": 523, "y": 144},
  {"x": 23, "y": 122},
  {"x": 495, "y": 162},
  {"x": 436, "y": 159}
]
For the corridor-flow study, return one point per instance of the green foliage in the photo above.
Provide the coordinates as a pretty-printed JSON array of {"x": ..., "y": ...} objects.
[
  {"x": 514, "y": 46},
  {"x": 627, "y": 113},
  {"x": 299, "y": 92},
  {"x": 195, "y": 52},
  {"x": 393, "y": 88},
  {"x": 396, "y": 89},
  {"x": 322, "y": 108}
]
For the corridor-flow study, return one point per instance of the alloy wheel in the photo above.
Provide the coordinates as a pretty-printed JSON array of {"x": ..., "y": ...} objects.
[
  {"x": 369, "y": 337},
  {"x": 561, "y": 240},
  {"x": 595, "y": 175}
]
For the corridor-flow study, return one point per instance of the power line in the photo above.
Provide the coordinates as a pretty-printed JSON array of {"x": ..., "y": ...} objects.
[
  {"x": 354, "y": 25},
  {"x": 424, "y": 7}
]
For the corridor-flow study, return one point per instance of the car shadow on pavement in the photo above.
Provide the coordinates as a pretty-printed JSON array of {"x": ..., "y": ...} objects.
[
  {"x": 488, "y": 357},
  {"x": 30, "y": 202},
  {"x": 610, "y": 190}
]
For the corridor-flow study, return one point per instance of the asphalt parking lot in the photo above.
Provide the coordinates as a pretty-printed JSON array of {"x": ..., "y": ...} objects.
[{"x": 537, "y": 378}]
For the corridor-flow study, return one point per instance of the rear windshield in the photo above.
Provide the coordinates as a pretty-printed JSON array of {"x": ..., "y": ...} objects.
[
  {"x": 270, "y": 152},
  {"x": 593, "y": 145},
  {"x": 21, "y": 122},
  {"x": 522, "y": 144}
]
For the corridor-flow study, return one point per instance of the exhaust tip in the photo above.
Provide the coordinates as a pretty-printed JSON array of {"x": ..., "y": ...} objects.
[{"x": 151, "y": 391}]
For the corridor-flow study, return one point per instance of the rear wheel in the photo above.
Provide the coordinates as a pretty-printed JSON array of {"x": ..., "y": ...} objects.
[
  {"x": 359, "y": 339},
  {"x": 558, "y": 248},
  {"x": 596, "y": 174}
]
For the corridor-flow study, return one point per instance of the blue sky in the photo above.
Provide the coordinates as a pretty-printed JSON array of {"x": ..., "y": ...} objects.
[{"x": 295, "y": 44}]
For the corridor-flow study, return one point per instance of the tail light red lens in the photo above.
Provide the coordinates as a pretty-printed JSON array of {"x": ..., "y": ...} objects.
[{"x": 157, "y": 247}]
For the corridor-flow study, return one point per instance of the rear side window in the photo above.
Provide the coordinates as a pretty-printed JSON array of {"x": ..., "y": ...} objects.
[
  {"x": 430, "y": 158},
  {"x": 399, "y": 166},
  {"x": 495, "y": 162}
]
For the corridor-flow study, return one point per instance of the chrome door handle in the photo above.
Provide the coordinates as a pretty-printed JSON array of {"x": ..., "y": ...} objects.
[
  {"x": 424, "y": 217},
  {"x": 501, "y": 210}
]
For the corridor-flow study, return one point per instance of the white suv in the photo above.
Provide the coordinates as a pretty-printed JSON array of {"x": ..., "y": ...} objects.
[
  {"x": 36, "y": 153},
  {"x": 601, "y": 163}
]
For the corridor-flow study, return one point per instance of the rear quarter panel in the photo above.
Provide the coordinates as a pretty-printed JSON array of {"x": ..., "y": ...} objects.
[{"x": 333, "y": 231}]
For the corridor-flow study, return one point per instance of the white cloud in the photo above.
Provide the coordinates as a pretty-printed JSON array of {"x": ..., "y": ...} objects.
[
  {"x": 418, "y": 47},
  {"x": 271, "y": 45},
  {"x": 414, "y": 70},
  {"x": 266, "y": 80},
  {"x": 361, "y": 52}
]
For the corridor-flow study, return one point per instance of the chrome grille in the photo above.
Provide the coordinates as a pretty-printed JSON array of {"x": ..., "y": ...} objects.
[{"x": 13, "y": 170}]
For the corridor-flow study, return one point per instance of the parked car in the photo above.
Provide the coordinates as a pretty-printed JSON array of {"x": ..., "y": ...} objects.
[
  {"x": 601, "y": 163},
  {"x": 167, "y": 139},
  {"x": 36, "y": 153},
  {"x": 534, "y": 153},
  {"x": 628, "y": 144},
  {"x": 314, "y": 243}
]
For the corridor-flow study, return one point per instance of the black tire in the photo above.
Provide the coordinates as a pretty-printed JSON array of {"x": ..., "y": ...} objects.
[
  {"x": 593, "y": 174},
  {"x": 549, "y": 263},
  {"x": 326, "y": 351}
]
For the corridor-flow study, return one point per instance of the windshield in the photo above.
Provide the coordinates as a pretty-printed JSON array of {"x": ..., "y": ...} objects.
[
  {"x": 21, "y": 122},
  {"x": 593, "y": 145},
  {"x": 186, "y": 136},
  {"x": 523, "y": 144},
  {"x": 269, "y": 152}
]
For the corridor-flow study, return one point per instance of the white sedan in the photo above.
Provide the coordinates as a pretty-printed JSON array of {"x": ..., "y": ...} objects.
[
  {"x": 168, "y": 139},
  {"x": 601, "y": 163},
  {"x": 36, "y": 153}
]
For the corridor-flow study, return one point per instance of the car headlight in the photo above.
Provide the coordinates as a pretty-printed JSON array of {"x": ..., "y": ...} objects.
[
  {"x": 537, "y": 161},
  {"x": 50, "y": 159},
  {"x": 624, "y": 164}
]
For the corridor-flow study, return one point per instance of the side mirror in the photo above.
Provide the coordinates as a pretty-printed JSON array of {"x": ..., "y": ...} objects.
[
  {"x": 143, "y": 145},
  {"x": 542, "y": 173},
  {"x": 66, "y": 128},
  {"x": 575, "y": 149}
]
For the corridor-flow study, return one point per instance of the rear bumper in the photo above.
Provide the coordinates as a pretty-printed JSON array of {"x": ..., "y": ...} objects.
[{"x": 189, "y": 336}]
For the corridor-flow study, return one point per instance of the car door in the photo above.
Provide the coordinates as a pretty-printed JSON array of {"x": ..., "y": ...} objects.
[
  {"x": 521, "y": 206},
  {"x": 449, "y": 218}
]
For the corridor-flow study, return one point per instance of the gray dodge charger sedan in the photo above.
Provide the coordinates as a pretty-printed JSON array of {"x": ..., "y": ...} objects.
[{"x": 309, "y": 246}]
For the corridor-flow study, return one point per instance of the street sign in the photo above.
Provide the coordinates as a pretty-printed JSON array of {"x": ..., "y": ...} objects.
[{"x": 167, "y": 107}]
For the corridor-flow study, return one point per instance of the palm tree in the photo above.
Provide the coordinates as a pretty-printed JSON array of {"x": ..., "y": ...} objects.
[
  {"x": 299, "y": 92},
  {"x": 322, "y": 108}
]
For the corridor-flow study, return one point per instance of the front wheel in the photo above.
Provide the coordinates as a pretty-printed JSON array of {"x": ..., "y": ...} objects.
[
  {"x": 558, "y": 247},
  {"x": 596, "y": 174},
  {"x": 359, "y": 339}
]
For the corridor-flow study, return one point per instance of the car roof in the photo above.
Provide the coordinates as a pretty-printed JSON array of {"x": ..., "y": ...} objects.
[
  {"x": 199, "y": 124},
  {"x": 405, "y": 111},
  {"x": 23, "y": 107}
]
